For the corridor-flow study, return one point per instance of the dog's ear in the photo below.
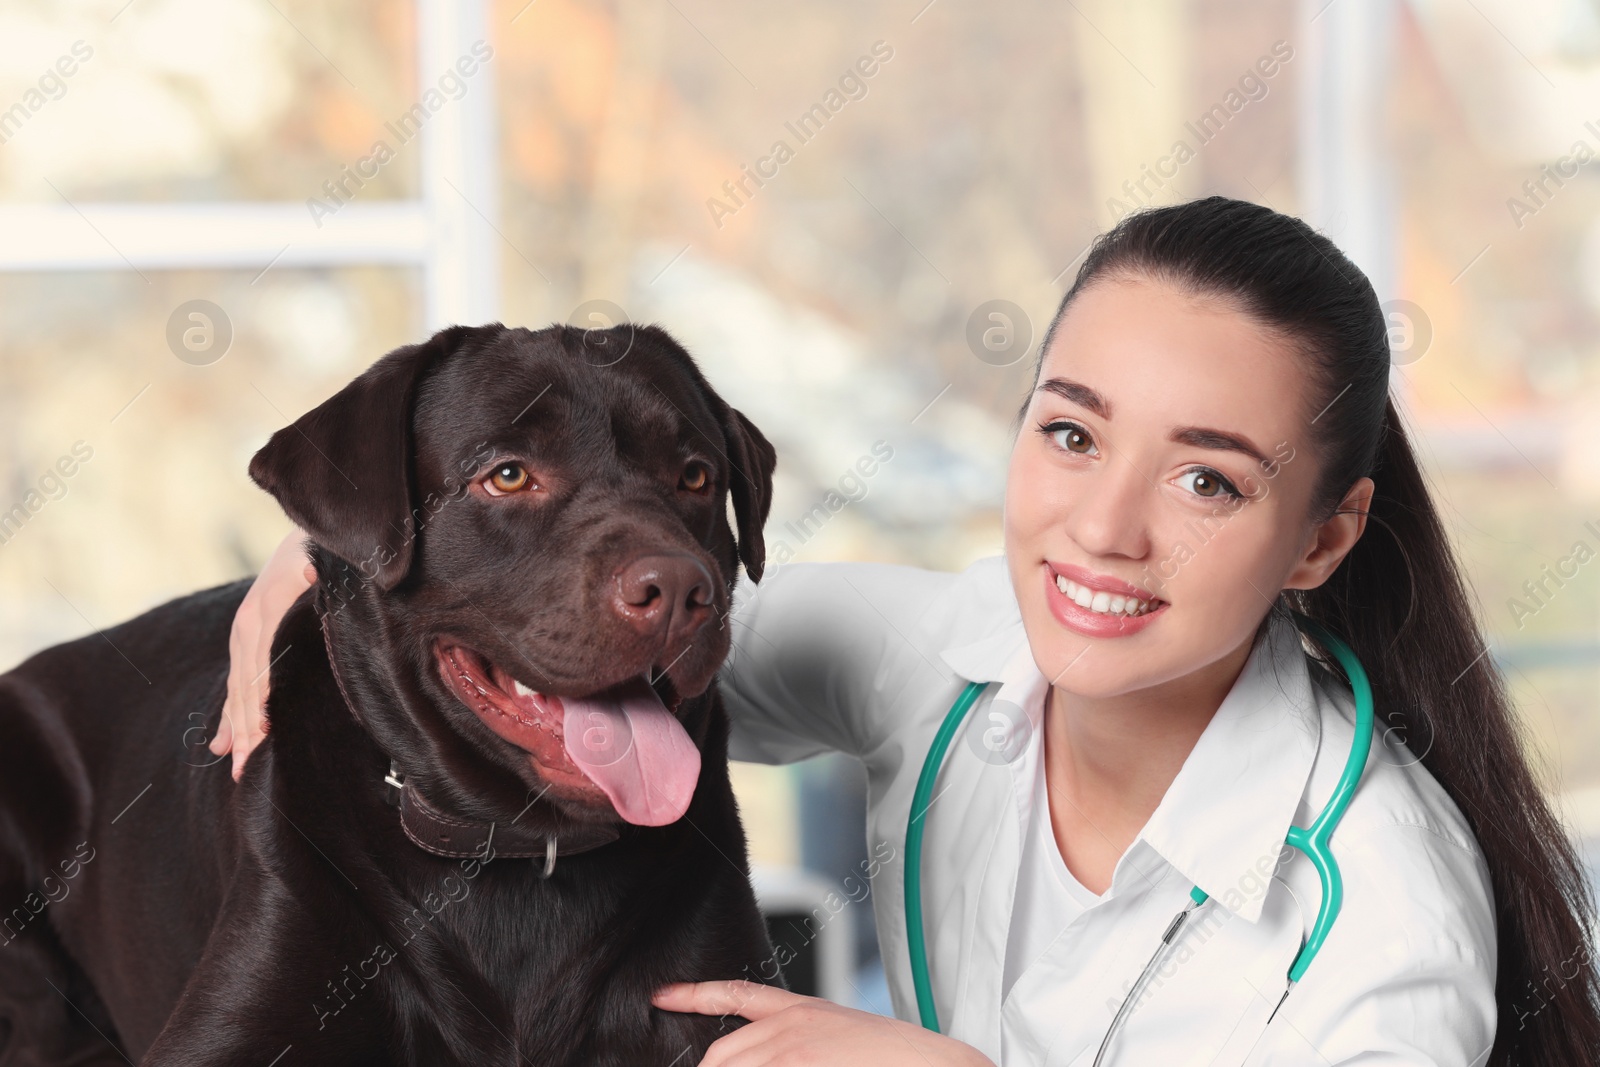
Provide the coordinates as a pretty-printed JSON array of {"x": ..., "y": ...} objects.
[
  {"x": 342, "y": 471},
  {"x": 754, "y": 460}
]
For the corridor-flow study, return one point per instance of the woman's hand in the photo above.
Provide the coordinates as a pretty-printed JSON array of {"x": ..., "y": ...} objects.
[
  {"x": 286, "y": 575},
  {"x": 788, "y": 1029}
]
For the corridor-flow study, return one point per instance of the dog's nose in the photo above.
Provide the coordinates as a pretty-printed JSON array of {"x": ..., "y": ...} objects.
[{"x": 670, "y": 596}]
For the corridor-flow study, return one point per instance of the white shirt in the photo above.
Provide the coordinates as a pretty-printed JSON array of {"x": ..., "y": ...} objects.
[
  {"x": 867, "y": 658},
  {"x": 1049, "y": 897}
]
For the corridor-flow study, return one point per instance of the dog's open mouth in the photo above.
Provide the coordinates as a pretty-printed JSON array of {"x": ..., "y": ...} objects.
[{"x": 624, "y": 740}]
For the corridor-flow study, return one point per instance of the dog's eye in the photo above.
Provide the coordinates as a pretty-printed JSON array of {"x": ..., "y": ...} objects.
[
  {"x": 695, "y": 478},
  {"x": 509, "y": 478}
]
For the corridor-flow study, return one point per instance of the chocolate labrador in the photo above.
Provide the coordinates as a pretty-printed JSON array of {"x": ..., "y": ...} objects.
[{"x": 492, "y": 814}]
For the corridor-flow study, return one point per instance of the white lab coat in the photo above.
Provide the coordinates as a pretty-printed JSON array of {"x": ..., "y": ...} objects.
[{"x": 866, "y": 659}]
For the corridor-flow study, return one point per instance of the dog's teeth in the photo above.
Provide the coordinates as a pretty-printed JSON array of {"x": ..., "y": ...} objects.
[{"x": 522, "y": 690}]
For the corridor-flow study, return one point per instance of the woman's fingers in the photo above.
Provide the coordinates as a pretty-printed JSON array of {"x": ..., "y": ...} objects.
[
  {"x": 789, "y": 1030},
  {"x": 223, "y": 741},
  {"x": 231, "y": 724},
  {"x": 285, "y": 576},
  {"x": 244, "y": 692},
  {"x": 759, "y": 1041},
  {"x": 254, "y": 718},
  {"x": 750, "y": 1000}
]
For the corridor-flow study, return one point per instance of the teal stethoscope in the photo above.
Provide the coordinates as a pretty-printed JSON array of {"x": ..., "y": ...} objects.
[{"x": 1313, "y": 841}]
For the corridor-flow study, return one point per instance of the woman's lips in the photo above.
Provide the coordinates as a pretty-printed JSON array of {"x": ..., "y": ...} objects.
[
  {"x": 1086, "y": 621},
  {"x": 1087, "y": 577}
]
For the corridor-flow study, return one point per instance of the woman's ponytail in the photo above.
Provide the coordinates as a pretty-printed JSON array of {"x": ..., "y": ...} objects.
[{"x": 1400, "y": 601}]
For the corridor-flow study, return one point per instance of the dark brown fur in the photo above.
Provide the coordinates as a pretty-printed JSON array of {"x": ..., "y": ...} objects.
[{"x": 149, "y": 901}]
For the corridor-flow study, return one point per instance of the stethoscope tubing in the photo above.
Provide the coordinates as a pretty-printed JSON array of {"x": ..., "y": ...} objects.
[{"x": 920, "y": 799}]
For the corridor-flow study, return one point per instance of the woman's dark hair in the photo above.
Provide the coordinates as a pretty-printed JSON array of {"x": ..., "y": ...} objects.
[{"x": 1398, "y": 598}]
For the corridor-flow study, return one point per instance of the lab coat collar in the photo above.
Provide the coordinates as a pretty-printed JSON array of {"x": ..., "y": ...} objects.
[
  {"x": 1223, "y": 820},
  {"x": 987, "y": 659}
]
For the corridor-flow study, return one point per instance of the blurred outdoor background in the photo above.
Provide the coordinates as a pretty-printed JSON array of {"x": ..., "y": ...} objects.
[{"x": 332, "y": 179}]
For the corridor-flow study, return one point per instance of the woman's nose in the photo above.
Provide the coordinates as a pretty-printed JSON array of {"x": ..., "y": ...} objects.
[{"x": 1112, "y": 517}]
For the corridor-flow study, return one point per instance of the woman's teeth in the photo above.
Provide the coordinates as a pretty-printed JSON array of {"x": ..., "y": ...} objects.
[{"x": 1101, "y": 601}]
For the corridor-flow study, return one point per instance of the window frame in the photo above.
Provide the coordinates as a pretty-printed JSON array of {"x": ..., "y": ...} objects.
[{"x": 448, "y": 232}]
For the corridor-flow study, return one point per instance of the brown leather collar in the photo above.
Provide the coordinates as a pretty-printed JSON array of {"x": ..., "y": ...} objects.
[
  {"x": 446, "y": 835},
  {"x": 442, "y": 834}
]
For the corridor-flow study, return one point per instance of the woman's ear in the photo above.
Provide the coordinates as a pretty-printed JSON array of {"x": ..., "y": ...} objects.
[
  {"x": 1332, "y": 541},
  {"x": 342, "y": 471}
]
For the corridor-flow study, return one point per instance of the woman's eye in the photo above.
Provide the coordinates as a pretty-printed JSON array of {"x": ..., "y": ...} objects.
[
  {"x": 1208, "y": 483},
  {"x": 695, "y": 478},
  {"x": 509, "y": 478},
  {"x": 1071, "y": 437}
]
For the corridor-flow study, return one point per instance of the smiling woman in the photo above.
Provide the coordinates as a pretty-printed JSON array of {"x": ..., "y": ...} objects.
[{"x": 1191, "y": 310}]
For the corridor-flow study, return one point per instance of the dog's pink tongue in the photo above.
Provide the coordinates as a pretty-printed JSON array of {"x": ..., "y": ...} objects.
[{"x": 635, "y": 750}]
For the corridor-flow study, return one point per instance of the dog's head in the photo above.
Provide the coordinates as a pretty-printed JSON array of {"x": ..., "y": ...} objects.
[{"x": 536, "y": 523}]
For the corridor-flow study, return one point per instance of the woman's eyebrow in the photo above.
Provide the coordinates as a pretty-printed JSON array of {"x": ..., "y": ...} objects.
[
  {"x": 1195, "y": 436},
  {"x": 1222, "y": 440},
  {"x": 1079, "y": 394}
]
